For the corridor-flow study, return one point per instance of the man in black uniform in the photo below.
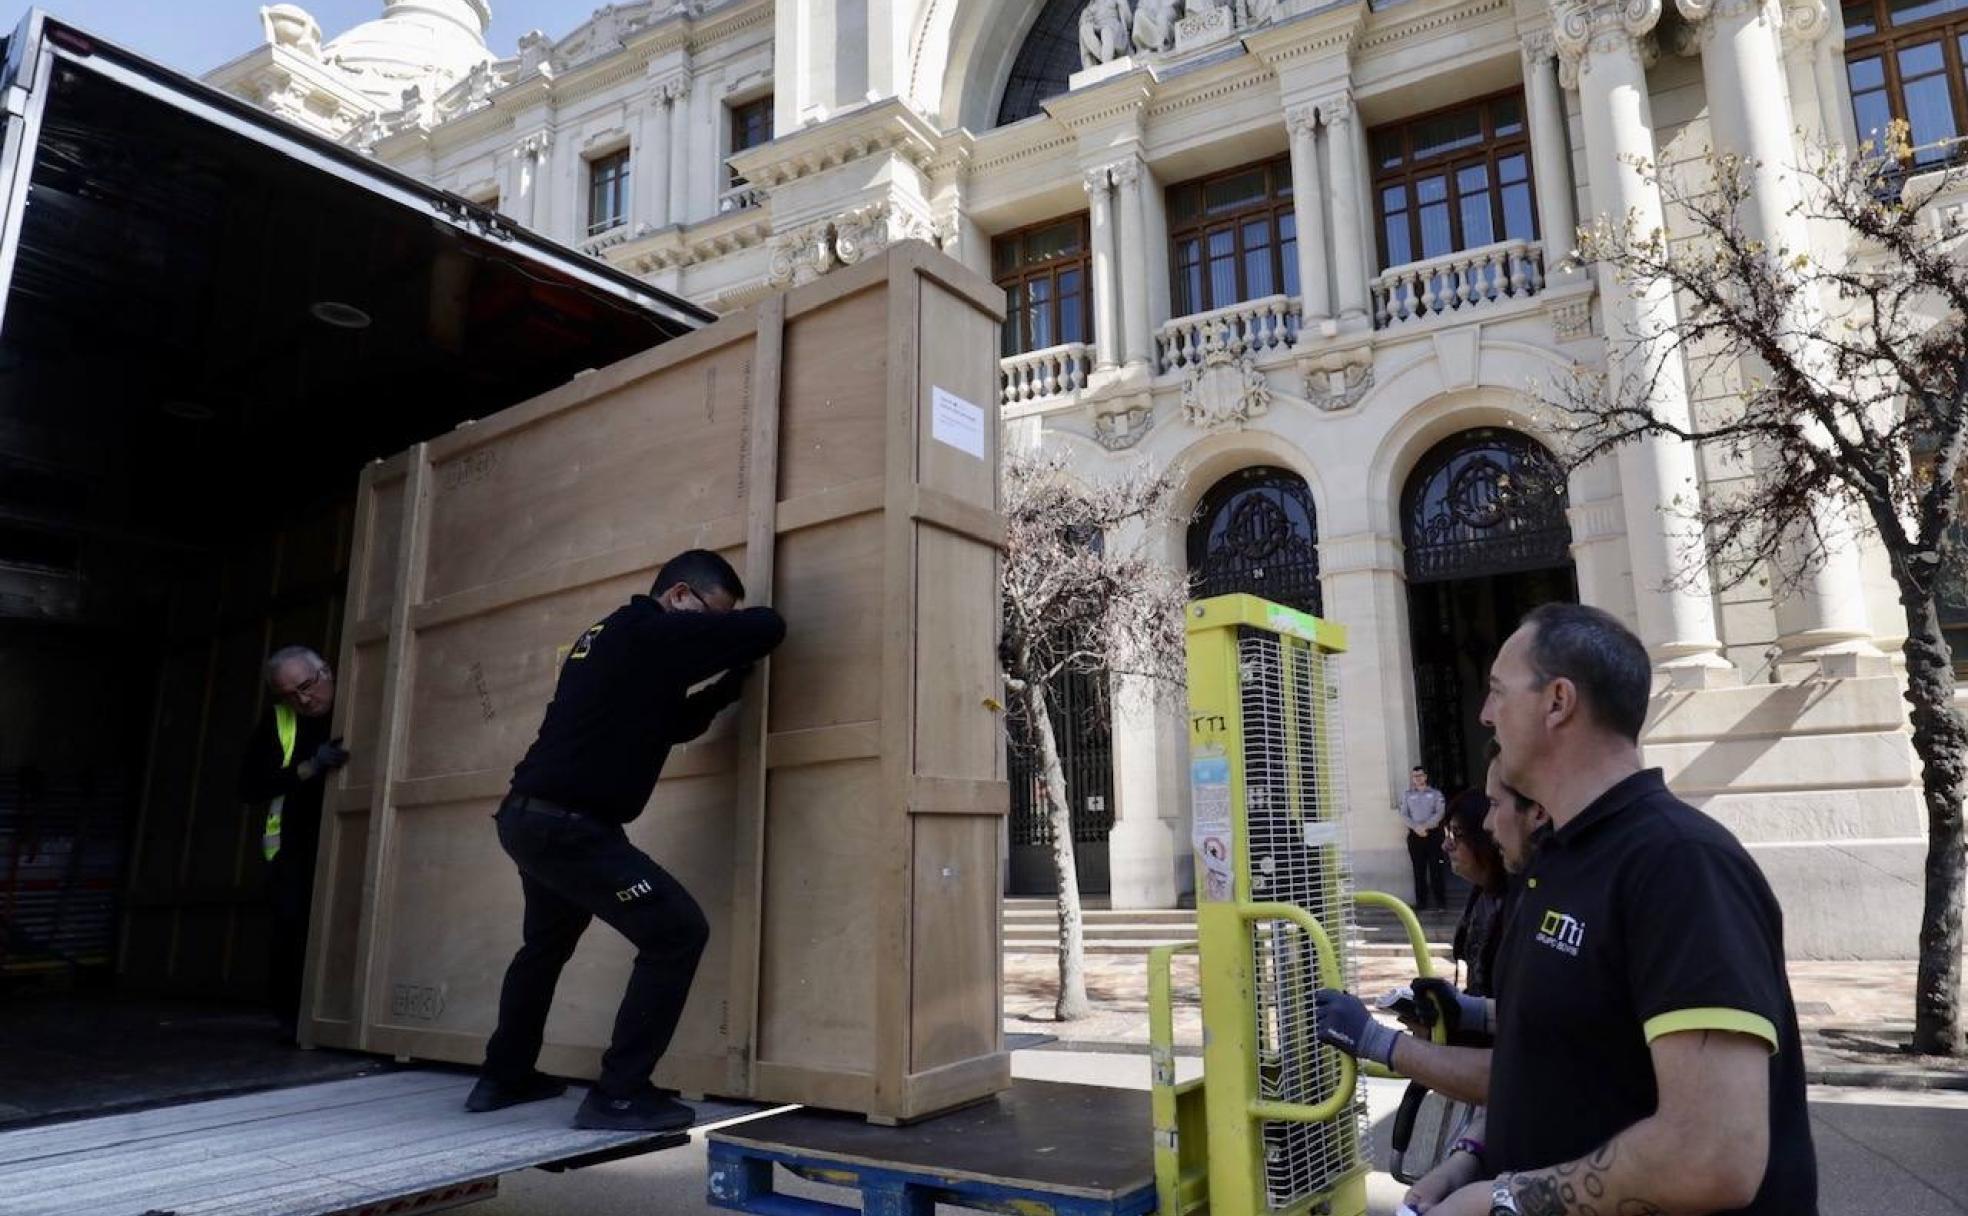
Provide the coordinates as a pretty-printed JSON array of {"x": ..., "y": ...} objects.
[
  {"x": 623, "y": 699},
  {"x": 285, "y": 766},
  {"x": 1647, "y": 1058}
]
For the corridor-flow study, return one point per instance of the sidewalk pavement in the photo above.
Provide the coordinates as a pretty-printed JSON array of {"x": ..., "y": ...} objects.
[{"x": 1856, "y": 1017}]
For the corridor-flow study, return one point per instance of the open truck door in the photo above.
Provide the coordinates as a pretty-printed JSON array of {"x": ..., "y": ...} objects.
[{"x": 210, "y": 322}]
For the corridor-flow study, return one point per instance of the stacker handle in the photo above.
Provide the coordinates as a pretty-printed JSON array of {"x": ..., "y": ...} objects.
[
  {"x": 1296, "y": 1112},
  {"x": 1424, "y": 965}
]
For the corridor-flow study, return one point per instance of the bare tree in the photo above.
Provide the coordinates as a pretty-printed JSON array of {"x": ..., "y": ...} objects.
[
  {"x": 1853, "y": 411},
  {"x": 1082, "y": 595}
]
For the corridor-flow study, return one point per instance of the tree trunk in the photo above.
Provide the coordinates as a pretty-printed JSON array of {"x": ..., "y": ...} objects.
[
  {"x": 1940, "y": 738},
  {"x": 1072, "y": 1003}
]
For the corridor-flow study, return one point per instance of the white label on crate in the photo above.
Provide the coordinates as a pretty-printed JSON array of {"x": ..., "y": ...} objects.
[{"x": 957, "y": 422}]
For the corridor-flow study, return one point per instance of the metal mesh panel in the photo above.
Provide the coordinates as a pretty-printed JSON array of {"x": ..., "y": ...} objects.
[{"x": 1294, "y": 788}]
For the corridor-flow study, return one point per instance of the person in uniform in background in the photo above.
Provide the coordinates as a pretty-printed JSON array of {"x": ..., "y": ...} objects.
[
  {"x": 285, "y": 768},
  {"x": 622, "y": 701},
  {"x": 1421, "y": 811}
]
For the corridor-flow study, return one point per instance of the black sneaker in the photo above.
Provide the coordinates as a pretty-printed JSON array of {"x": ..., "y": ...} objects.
[
  {"x": 489, "y": 1094},
  {"x": 650, "y": 1111}
]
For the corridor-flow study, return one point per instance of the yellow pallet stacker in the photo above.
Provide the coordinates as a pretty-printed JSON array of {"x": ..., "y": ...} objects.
[{"x": 1275, "y": 1126}]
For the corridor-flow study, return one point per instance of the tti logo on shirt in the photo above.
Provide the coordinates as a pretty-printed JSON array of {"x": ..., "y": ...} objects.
[{"x": 1561, "y": 932}]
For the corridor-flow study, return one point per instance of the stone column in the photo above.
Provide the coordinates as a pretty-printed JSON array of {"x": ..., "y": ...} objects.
[
  {"x": 677, "y": 93},
  {"x": 1148, "y": 846},
  {"x": 1309, "y": 213},
  {"x": 654, "y": 171},
  {"x": 1365, "y": 589},
  {"x": 524, "y": 204},
  {"x": 1551, "y": 152},
  {"x": 1127, "y": 176},
  {"x": 1611, "y": 44},
  {"x": 1350, "y": 236},
  {"x": 1743, "y": 77},
  {"x": 1105, "y": 343}
]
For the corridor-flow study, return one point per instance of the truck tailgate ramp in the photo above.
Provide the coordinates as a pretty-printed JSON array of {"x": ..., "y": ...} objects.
[{"x": 314, "y": 1150}]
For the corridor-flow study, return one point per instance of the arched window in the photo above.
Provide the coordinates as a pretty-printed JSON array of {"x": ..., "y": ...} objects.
[
  {"x": 1256, "y": 531},
  {"x": 1045, "y": 63},
  {"x": 1485, "y": 501}
]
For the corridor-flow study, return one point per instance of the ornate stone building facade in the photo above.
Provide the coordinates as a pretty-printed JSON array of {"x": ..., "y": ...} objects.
[{"x": 1312, "y": 256}]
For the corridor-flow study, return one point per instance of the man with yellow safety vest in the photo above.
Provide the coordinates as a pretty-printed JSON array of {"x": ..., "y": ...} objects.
[{"x": 285, "y": 762}]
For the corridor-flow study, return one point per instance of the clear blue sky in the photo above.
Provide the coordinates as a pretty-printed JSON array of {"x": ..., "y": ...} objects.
[{"x": 196, "y": 36}]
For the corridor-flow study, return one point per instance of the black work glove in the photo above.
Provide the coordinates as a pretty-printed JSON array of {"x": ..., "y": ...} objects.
[
  {"x": 1438, "y": 999},
  {"x": 329, "y": 756},
  {"x": 1343, "y": 1022}
]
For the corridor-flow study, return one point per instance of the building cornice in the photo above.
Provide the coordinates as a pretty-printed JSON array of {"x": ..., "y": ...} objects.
[
  {"x": 1309, "y": 36},
  {"x": 1119, "y": 97},
  {"x": 1245, "y": 74},
  {"x": 1404, "y": 24},
  {"x": 889, "y": 125}
]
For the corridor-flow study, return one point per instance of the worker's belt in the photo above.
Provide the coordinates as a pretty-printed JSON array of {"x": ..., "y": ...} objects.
[{"x": 540, "y": 806}]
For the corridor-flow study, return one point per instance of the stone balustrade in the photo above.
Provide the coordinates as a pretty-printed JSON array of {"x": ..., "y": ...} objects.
[
  {"x": 1039, "y": 374},
  {"x": 1254, "y": 325},
  {"x": 1458, "y": 282}
]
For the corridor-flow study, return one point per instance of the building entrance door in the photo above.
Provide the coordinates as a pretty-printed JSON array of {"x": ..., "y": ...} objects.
[{"x": 1483, "y": 522}]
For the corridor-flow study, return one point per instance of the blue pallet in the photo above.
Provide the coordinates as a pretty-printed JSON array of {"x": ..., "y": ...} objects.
[
  {"x": 1038, "y": 1148},
  {"x": 741, "y": 1180}
]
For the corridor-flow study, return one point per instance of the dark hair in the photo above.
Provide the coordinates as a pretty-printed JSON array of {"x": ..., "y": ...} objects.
[
  {"x": 700, "y": 570},
  {"x": 1466, "y": 814},
  {"x": 1492, "y": 752},
  {"x": 1419, "y": 768},
  {"x": 1600, "y": 656}
]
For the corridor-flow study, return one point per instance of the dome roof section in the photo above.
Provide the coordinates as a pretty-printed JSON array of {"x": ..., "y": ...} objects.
[{"x": 430, "y": 43}]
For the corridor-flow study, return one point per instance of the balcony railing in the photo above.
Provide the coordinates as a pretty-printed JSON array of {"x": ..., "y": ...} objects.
[
  {"x": 1038, "y": 374},
  {"x": 1254, "y": 325},
  {"x": 1458, "y": 282}
]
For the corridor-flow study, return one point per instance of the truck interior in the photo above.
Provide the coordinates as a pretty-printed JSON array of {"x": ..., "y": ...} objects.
[{"x": 212, "y": 321}]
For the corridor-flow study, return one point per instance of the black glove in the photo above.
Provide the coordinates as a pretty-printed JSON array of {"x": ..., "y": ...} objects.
[
  {"x": 1343, "y": 1022},
  {"x": 1438, "y": 999},
  {"x": 330, "y": 756}
]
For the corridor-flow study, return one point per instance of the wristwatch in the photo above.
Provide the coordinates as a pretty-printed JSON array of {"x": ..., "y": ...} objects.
[{"x": 1502, "y": 1202}]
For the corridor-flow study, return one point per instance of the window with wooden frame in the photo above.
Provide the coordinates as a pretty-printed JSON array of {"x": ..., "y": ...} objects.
[
  {"x": 1046, "y": 272},
  {"x": 608, "y": 191},
  {"x": 1904, "y": 59},
  {"x": 1232, "y": 237},
  {"x": 1453, "y": 179},
  {"x": 751, "y": 125}
]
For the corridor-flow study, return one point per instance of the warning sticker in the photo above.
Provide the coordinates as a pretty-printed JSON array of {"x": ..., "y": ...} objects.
[
  {"x": 1209, "y": 804},
  {"x": 957, "y": 422}
]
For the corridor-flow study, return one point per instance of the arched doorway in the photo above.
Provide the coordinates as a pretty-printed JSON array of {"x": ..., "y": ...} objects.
[
  {"x": 1483, "y": 522},
  {"x": 1256, "y": 531}
]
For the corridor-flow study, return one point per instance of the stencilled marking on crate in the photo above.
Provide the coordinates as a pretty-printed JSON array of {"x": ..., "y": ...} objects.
[
  {"x": 419, "y": 1002},
  {"x": 745, "y": 433},
  {"x": 470, "y": 469},
  {"x": 485, "y": 708}
]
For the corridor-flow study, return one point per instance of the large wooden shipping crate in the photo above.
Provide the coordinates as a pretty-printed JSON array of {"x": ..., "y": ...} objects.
[{"x": 840, "y": 827}]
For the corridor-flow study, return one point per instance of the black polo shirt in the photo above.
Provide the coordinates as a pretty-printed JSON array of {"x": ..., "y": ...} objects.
[
  {"x": 1640, "y": 917},
  {"x": 623, "y": 699}
]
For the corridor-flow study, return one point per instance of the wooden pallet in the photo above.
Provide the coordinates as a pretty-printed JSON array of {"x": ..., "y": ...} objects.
[{"x": 1041, "y": 1147}]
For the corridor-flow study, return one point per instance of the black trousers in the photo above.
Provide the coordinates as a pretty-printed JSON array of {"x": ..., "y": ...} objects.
[
  {"x": 290, "y": 897},
  {"x": 1431, "y": 869},
  {"x": 572, "y": 869}
]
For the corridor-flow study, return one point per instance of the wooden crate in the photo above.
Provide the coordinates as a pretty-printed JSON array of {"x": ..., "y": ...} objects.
[{"x": 839, "y": 444}]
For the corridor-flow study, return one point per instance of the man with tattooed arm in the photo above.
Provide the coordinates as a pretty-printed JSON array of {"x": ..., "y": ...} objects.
[{"x": 1647, "y": 1059}]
